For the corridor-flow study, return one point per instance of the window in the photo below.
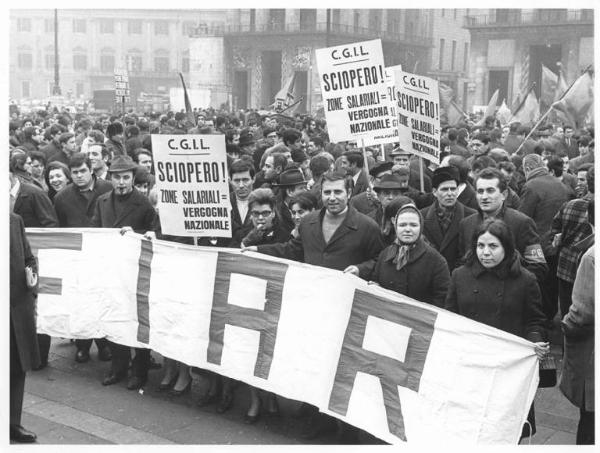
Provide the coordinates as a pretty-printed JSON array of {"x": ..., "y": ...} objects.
[
  {"x": 161, "y": 27},
  {"x": 49, "y": 25},
  {"x": 107, "y": 26},
  {"x": 79, "y": 26},
  {"x": 356, "y": 19},
  {"x": 134, "y": 62},
  {"x": 79, "y": 89},
  {"x": 454, "y": 13},
  {"x": 79, "y": 62},
  {"x": 25, "y": 88},
  {"x": 443, "y": 12},
  {"x": 441, "y": 62},
  {"x": 107, "y": 63},
  {"x": 134, "y": 27},
  {"x": 49, "y": 60},
  {"x": 308, "y": 19},
  {"x": 185, "y": 62},
  {"x": 276, "y": 19},
  {"x": 452, "y": 62},
  {"x": 161, "y": 63},
  {"x": 188, "y": 28},
  {"x": 466, "y": 57},
  {"x": 25, "y": 60},
  {"x": 24, "y": 24}
]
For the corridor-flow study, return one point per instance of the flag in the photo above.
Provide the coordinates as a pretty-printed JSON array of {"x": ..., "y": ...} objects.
[
  {"x": 188, "y": 105},
  {"x": 285, "y": 96},
  {"x": 549, "y": 85},
  {"x": 455, "y": 114},
  {"x": 446, "y": 95},
  {"x": 556, "y": 116},
  {"x": 490, "y": 109},
  {"x": 578, "y": 99},
  {"x": 529, "y": 111},
  {"x": 504, "y": 114}
]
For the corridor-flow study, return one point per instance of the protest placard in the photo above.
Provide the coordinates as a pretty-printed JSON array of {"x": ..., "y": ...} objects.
[
  {"x": 193, "y": 185},
  {"x": 400, "y": 369},
  {"x": 418, "y": 110},
  {"x": 353, "y": 86},
  {"x": 122, "y": 94}
]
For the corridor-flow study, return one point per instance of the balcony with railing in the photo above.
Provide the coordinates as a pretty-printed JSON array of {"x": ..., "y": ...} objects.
[
  {"x": 504, "y": 18},
  {"x": 311, "y": 28}
]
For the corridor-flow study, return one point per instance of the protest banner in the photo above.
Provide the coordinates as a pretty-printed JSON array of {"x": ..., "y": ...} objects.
[
  {"x": 193, "y": 185},
  {"x": 353, "y": 86},
  {"x": 397, "y": 368},
  {"x": 122, "y": 94},
  {"x": 418, "y": 109}
]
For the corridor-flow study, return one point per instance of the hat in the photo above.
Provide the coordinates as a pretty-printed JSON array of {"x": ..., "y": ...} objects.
[
  {"x": 443, "y": 174},
  {"x": 389, "y": 182},
  {"x": 401, "y": 171},
  {"x": 298, "y": 155},
  {"x": 380, "y": 168},
  {"x": 180, "y": 116},
  {"x": 122, "y": 163},
  {"x": 291, "y": 177},
  {"x": 399, "y": 152}
]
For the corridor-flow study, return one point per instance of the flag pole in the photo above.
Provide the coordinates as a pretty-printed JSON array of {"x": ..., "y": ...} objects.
[
  {"x": 421, "y": 174},
  {"x": 573, "y": 83},
  {"x": 365, "y": 162},
  {"x": 522, "y": 102}
]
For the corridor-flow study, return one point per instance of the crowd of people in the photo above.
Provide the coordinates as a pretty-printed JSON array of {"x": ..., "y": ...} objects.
[{"x": 500, "y": 230}]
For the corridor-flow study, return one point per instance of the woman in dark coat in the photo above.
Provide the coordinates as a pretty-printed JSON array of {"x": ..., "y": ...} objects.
[
  {"x": 493, "y": 288},
  {"x": 410, "y": 266}
]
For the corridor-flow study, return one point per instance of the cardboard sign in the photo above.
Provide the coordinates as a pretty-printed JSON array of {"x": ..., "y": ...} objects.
[
  {"x": 418, "y": 109},
  {"x": 122, "y": 94},
  {"x": 193, "y": 185},
  {"x": 354, "y": 90}
]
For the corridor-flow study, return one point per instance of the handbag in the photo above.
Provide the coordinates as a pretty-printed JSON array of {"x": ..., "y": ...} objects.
[{"x": 547, "y": 372}]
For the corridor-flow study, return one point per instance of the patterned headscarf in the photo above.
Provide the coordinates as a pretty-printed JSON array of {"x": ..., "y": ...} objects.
[{"x": 402, "y": 249}]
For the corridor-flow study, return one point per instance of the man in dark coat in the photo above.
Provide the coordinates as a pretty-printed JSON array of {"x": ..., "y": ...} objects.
[
  {"x": 53, "y": 145},
  {"x": 24, "y": 353},
  {"x": 75, "y": 206},
  {"x": 242, "y": 179},
  {"x": 353, "y": 163},
  {"x": 291, "y": 183},
  {"x": 114, "y": 142},
  {"x": 68, "y": 148},
  {"x": 123, "y": 207},
  {"x": 441, "y": 220},
  {"x": 542, "y": 197},
  {"x": 466, "y": 192}
]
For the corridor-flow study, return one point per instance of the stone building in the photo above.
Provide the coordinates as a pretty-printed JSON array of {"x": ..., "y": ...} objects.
[{"x": 509, "y": 46}]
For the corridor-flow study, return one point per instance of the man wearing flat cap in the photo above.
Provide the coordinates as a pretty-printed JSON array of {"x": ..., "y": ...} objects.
[
  {"x": 125, "y": 207},
  {"x": 442, "y": 218},
  {"x": 291, "y": 183}
]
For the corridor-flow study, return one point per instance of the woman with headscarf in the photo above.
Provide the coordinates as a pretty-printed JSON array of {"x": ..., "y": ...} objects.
[
  {"x": 409, "y": 265},
  {"x": 494, "y": 289}
]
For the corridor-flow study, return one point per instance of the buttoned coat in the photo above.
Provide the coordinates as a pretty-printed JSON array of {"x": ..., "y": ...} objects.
[
  {"x": 508, "y": 298},
  {"x": 139, "y": 215},
  {"x": 22, "y": 302},
  {"x": 446, "y": 244},
  {"x": 73, "y": 209},
  {"x": 357, "y": 241},
  {"x": 34, "y": 206},
  {"x": 425, "y": 277}
]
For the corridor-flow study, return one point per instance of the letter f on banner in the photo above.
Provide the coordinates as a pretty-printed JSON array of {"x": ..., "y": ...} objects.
[
  {"x": 414, "y": 324},
  {"x": 265, "y": 321}
]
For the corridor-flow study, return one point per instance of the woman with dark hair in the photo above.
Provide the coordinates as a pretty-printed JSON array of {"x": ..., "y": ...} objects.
[
  {"x": 20, "y": 166},
  {"x": 494, "y": 289},
  {"x": 409, "y": 265},
  {"x": 301, "y": 205},
  {"x": 57, "y": 176}
]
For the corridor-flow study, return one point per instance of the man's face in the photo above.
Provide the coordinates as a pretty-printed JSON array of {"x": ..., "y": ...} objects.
[
  {"x": 489, "y": 196},
  {"x": 402, "y": 160},
  {"x": 446, "y": 194},
  {"x": 145, "y": 161},
  {"x": 505, "y": 131},
  {"x": 122, "y": 182},
  {"x": 582, "y": 178},
  {"x": 70, "y": 145},
  {"x": 478, "y": 147},
  {"x": 560, "y": 133},
  {"x": 568, "y": 132},
  {"x": 38, "y": 136},
  {"x": 95, "y": 155},
  {"x": 565, "y": 160},
  {"x": 269, "y": 168},
  {"x": 271, "y": 122},
  {"x": 334, "y": 196},
  {"x": 288, "y": 156},
  {"x": 142, "y": 188},
  {"x": 242, "y": 184},
  {"x": 296, "y": 190},
  {"x": 82, "y": 176},
  {"x": 583, "y": 150},
  {"x": 385, "y": 196},
  {"x": 37, "y": 168}
]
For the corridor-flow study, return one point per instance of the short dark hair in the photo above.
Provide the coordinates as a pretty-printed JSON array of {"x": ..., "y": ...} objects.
[
  {"x": 64, "y": 138},
  {"x": 78, "y": 159},
  {"x": 556, "y": 166},
  {"x": 290, "y": 135},
  {"x": 279, "y": 160},
  {"x": 54, "y": 165},
  {"x": 462, "y": 165},
  {"x": 493, "y": 173},
  {"x": 240, "y": 166},
  {"x": 102, "y": 146},
  {"x": 482, "y": 162},
  {"x": 319, "y": 165},
  {"x": 262, "y": 196},
  {"x": 333, "y": 176},
  {"x": 354, "y": 157},
  {"x": 499, "y": 229},
  {"x": 138, "y": 151},
  {"x": 509, "y": 167},
  {"x": 306, "y": 200},
  {"x": 40, "y": 156},
  {"x": 97, "y": 135},
  {"x": 452, "y": 134},
  {"x": 584, "y": 140}
]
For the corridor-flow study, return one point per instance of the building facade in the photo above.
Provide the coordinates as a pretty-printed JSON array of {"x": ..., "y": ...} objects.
[{"x": 509, "y": 46}]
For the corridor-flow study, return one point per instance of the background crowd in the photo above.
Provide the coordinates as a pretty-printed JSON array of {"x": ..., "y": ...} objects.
[{"x": 500, "y": 231}]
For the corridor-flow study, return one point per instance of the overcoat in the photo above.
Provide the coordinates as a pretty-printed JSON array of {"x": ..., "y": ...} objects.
[
  {"x": 73, "y": 209},
  {"x": 425, "y": 277},
  {"x": 34, "y": 206},
  {"x": 139, "y": 215},
  {"x": 23, "y": 338}
]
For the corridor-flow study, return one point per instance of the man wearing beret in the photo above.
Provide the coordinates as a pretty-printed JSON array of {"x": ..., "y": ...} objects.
[
  {"x": 441, "y": 220},
  {"x": 125, "y": 207}
]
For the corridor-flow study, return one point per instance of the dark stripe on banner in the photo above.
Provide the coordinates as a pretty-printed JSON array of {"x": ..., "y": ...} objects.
[
  {"x": 50, "y": 285},
  {"x": 143, "y": 290}
]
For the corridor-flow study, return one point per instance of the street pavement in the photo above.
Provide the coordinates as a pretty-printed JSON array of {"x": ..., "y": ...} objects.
[{"x": 66, "y": 404}]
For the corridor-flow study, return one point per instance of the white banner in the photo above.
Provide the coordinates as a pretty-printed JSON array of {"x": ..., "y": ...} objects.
[
  {"x": 399, "y": 369},
  {"x": 353, "y": 85},
  {"x": 193, "y": 185},
  {"x": 418, "y": 109}
]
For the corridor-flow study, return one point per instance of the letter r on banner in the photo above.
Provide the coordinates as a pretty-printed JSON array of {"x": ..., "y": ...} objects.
[
  {"x": 272, "y": 276},
  {"x": 409, "y": 353}
]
